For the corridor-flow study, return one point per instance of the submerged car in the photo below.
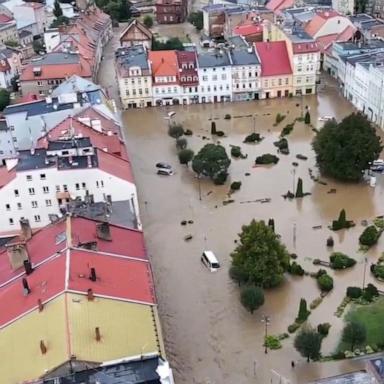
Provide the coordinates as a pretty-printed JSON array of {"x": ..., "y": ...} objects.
[{"x": 163, "y": 165}]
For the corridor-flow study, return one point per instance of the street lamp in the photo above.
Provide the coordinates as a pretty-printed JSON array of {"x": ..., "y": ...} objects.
[
  {"x": 293, "y": 180},
  {"x": 266, "y": 320},
  {"x": 365, "y": 270}
]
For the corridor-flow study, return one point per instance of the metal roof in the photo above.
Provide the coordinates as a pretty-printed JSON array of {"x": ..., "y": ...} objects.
[
  {"x": 213, "y": 59},
  {"x": 244, "y": 57}
]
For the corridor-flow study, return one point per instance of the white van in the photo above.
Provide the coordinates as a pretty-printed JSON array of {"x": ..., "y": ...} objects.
[{"x": 208, "y": 258}]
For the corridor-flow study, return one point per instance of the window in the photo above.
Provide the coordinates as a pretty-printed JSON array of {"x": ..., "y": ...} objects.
[
  {"x": 280, "y": 82},
  {"x": 45, "y": 189},
  {"x": 57, "y": 188},
  {"x": 16, "y": 191},
  {"x": 286, "y": 80},
  {"x": 29, "y": 178},
  {"x": 48, "y": 203},
  {"x": 37, "y": 218},
  {"x": 42, "y": 176},
  {"x": 65, "y": 187},
  {"x": 214, "y": 77},
  {"x": 83, "y": 185},
  {"x": 97, "y": 184},
  {"x": 14, "y": 139},
  {"x": 224, "y": 76},
  {"x": 205, "y": 78},
  {"x": 34, "y": 204},
  {"x": 8, "y": 207},
  {"x": 18, "y": 205},
  {"x": 11, "y": 222},
  {"x": 127, "y": 92},
  {"x": 31, "y": 191},
  {"x": 77, "y": 186},
  {"x": 102, "y": 183}
]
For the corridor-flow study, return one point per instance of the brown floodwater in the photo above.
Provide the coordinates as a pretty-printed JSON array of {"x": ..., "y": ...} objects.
[{"x": 209, "y": 337}]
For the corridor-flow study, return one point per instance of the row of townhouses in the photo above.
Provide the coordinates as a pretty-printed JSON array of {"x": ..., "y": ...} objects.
[{"x": 249, "y": 72}]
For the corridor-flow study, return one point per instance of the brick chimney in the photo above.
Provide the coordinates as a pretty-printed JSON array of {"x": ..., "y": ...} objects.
[
  {"x": 26, "y": 230},
  {"x": 103, "y": 231},
  {"x": 17, "y": 253}
]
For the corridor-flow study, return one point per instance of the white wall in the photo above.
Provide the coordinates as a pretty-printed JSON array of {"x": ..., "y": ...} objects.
[
  {"x": 119, "y": 190},
  {"x": 215, "y": 82},
  {"x": 245, "y": 79}
]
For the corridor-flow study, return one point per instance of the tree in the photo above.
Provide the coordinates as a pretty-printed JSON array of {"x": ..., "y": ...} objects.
[
  {"x": 369, "y": 236},
  {"x": 271, "y": 224},
  {"x": 175, "y": 131},
  {"x": 174, "y": 43},
  {"x": 196, "y": 19},
  {"x": 181, "y": 143},
  {"x": 252, "y": 297},
  {"x": 303, "y": 312},
  {"x": 4, "y": 98},
  {"x": 308, "y": 343},
  {"x": 212, "y": 161},
  {"x": 148, "y": 21},
  {"x": 354, "y": 333},
  {"x": 57, "y": 11},
  {"x": 213, "y": 128},
  {"x": 260, "y": 255},
  {"x": 61, "y": 20},
  {"x": 119, "y": 10},
  {"x": 344, "y": 150},
  {"x": 237, "y": 274},
  {"x": 307, "y": 118},
  {"x": 38, "y": 46},
  {"x": 325, "y": 282},
  {"x": 299, "y": 189},
  {"x": 185, "y": 156}
]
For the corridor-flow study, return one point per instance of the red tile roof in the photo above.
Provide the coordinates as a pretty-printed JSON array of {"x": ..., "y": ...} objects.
[
  {"x": 320, "y": 18},
  {"x": 27, "y": 98},
  {"x": 102, "y": 140},
  {"x": 274, "y": 58},
  {"x": 298, "y": 48},
  {"x": 277, "y": 5},
  {"x": 122, "y": 268},
  {"x": 115, "y": 166},
  {"x": 325, "y": 42},
  {"x": 4, "y": 18},
  {"x": 163, "y": 63},
  {"x": 117, "y": 277},
  {"x": 248, "y": 29}
]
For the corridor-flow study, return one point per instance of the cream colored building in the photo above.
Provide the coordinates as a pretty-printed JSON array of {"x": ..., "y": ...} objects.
[{"x": 134, "y": 77}]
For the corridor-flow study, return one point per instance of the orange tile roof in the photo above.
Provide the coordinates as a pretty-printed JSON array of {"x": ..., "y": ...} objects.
[{"x": 164, "y": 63}]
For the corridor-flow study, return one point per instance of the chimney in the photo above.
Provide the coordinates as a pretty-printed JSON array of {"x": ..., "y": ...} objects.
[
  {"x": 43, "y": 348},
  {"x": 28, "y": 267},
  {"x": 103, "y": 231},
  {"x": 97, "y": 334},
  {"x": 17, "y": 253},
  {"x": 40, "y": 305},
  {"x": 90, "y": 294},
  {"x": 26, "y": 230},
  {"x": 26, "y": 288},
  {"x": 93, "y": 276}
]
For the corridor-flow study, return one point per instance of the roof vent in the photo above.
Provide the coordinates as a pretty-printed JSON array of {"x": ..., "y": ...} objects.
[
  {"x": 103, "y": 231},
  {"x": 26, "y": 288},
  {"x": 28, "y": 267},
  {"x": 92, "y": 275},
  {"x": 90, "y": 295}
]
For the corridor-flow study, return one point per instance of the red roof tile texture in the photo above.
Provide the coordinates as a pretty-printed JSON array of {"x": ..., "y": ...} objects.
[
  {"x": 248, "y": 29},
  {"x": 274, "y": 58},
  {"x": 164, "y": 63}
]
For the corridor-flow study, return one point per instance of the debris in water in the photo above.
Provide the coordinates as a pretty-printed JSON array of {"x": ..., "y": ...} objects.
[
  {"x": 301, "y": 157},
  {"x": 247, "y": 174},
  {"x": 295, "y": 164},
  {"x": 188, "y": 237},
  {"x": 317, "y": 227},
  {"x": 184, "y": 222},
  {"x": 229, "y": 201},
  {"x": 364, "y": 223},
  {"x": 190, "y": 221},
  {"x": 332, "y": 190},
  {"x": 209, "y": 193}
]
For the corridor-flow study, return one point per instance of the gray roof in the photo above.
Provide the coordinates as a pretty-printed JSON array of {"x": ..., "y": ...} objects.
[
  {"x": 82, "y": 142},
  {"x": 75, "y": 84},
  {"x": 132, "y": 57},
  {"x": 360, "y": 17},
  {"x": 243, "y": 57},
  {"x": 56, "y": 58},
  {"x": 213, "y": 59},
  {"x": 24, "y": 33},
  {"x": 237, "y": 42},
  {"x": 40, "y": 107},
  {"x": 374, "y": 58}
]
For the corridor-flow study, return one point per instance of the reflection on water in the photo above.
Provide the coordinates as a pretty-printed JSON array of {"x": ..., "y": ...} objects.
[{"x": 209, "y": 337}]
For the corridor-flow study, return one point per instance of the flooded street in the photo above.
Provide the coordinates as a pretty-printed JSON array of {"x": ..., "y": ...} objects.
[{"x": 210, "y": 338}]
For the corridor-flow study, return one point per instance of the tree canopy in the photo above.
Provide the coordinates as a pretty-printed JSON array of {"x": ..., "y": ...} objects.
[
  {"x": 260, "y": 256},
  {"x": 251, "y": 297},
  {"x": 61, "y": 20},
  {"x": 148, "y": 21},
  {"x": 212, "y": 161},
  {"x": 185, "y": 156},
  {"x": 354, "y": 333},
  {"x": 57, "y": 11},
  {"x": 308, "y": 343},
  {"x": 196, "y": 19},
  {"x": 344, "y": 150},
  {"x": 119, "y": 10},
  {"x": 174, "y": 43},
  {"x": 4, "y": 98}
]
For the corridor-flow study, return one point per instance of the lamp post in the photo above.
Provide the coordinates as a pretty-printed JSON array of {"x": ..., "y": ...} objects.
[
  {"x": 266, "y": 320},
  {"x": 293, "y": 180},
  {"x": 365, "y": 270}
]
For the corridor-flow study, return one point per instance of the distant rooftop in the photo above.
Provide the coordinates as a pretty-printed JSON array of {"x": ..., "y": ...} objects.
[
  {"x": 244, "y": 57},
  {"x": 213, "y": 59},
  {"x": 135, "y": 56},
  {"x": 237, "y": 42}
]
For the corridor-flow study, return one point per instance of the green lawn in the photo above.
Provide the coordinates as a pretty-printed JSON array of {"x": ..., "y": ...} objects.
[{"x": 372, "y": 316}]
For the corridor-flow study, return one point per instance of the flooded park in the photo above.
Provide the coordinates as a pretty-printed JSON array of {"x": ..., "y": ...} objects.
[{"x": 210, "y": 337}]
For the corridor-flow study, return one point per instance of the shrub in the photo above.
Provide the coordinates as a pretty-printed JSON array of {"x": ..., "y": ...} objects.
[
  {"x": 279, "y": 118},
  {"x": 287, "y": 130},
  {"x": 235, "y": 186},
  {"x": 175, "y": 131},
  {"x": 272, "y": 342},
  {"x": 323, "y": 329},
  {"x": 316, "y": 302},
  {"x": 379, "y": 222},
  {"x": 307, "y": 118},
  {"x": 293, "y": 327},
  {"x": 236, "y": 151},
  {"x": 213, "y": 128},
  {"x": 188, "y": 132},
  {"x": 370, "y": 292},
  {"x": 181, "y": 143},
  {"x": 299, "y": 188},
  {"x": 185, "y": 156},
  {"x": 369, "y": 236},
  {"x": 325, "y": 282},
  {"x": 252, "y": 297},
  {"x": 378, "y": 271},
  {"x": 227, "y": 116},
  {"x": 271, "y": 224},
  {"x": 295, "y": 269},
  {"x": 267, "y": 158},
  {"x": 282, "y": 144},
  {"x": 252, "y": 138},
  {"x": 303, "y": 312},
  {"x": 339, "y": 260},
  {"x": 220, "y": 178},
  {"x": 341, "y": 222},
  {"x": 354, "y": 292},
  {"x": 320, "y": 272}
]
